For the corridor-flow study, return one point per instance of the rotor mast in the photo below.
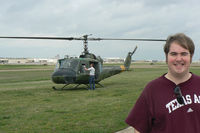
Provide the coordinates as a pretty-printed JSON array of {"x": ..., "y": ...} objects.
[{"x": 85, "y": 44}]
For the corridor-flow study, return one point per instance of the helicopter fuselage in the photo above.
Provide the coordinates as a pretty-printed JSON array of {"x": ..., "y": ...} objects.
[{"x": 71, "y": 71}]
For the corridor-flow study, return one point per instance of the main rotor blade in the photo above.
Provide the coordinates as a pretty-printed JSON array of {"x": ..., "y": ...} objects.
[
  {"x": 81, "y": 38},
  {"x": 126, "y": 39},
  {"x": 52, "y": 38}
]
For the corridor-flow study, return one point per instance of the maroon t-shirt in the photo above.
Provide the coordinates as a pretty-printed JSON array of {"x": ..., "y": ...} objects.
[{"x": 158, "y": 111}]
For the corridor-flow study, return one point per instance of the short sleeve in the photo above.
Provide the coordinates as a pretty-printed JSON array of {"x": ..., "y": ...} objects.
[{"x": 140, "y": 117}]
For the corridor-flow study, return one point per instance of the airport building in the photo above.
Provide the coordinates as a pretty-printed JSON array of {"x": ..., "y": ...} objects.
[
  {"x": 113, "y": 60},
  {"x": 28, "y": 61}
]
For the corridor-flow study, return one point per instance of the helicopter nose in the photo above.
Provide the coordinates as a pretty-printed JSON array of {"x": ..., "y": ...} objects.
[{"x": 64, "y": 76}]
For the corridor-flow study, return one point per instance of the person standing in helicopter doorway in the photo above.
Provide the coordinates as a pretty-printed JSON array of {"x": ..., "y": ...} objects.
[{"x": 92, "y": 76}]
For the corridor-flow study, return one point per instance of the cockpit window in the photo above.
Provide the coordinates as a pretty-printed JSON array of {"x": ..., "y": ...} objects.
[{"x": 67, "y": 63}]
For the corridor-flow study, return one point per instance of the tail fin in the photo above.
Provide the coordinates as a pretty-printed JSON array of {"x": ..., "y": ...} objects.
[{"x": 127, "y": 61}]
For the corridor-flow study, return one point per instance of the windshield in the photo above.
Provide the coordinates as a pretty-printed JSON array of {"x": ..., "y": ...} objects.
[{"x": 67, "y": 63}]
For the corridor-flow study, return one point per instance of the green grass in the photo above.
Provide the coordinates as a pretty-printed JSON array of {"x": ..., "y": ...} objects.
[
  {"x": 28, "y": 104},
  {"x": 21, "y": 66},
  {"x": 23, "y": 76}
]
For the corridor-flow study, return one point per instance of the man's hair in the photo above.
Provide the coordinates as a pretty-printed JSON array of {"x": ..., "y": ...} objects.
[{"x": 182, "y": 40}]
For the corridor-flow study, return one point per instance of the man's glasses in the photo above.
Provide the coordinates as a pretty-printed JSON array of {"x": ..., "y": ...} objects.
[{"x": 178, "y": 94}]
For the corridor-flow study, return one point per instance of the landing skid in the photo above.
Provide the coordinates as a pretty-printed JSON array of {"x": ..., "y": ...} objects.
[
  {"x": 65, "y": 86},
  {"x": 80, "y": 84},
  {"x": 59, "y": 88},
  {"x": 100, "y": 84},
  {"x": 62, "y": 88}
]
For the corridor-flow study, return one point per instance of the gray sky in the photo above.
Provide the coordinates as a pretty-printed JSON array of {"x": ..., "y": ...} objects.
[{"x": 102, "y": 18}]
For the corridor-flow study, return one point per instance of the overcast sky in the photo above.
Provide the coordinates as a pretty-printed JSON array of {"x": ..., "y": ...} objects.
[{"x": 101, "y": 18}]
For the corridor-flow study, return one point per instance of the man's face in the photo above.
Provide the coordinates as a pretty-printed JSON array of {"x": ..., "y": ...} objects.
[{"x": 178, "y": 60}]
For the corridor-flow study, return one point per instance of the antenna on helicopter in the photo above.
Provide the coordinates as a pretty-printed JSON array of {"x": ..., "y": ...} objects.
[{"x": 85, "y": 43}]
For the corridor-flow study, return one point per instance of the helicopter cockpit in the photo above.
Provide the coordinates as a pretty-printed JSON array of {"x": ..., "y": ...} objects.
[{"x": 67, "y": 63}]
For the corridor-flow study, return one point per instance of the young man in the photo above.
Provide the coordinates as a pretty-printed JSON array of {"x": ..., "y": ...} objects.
[
  {"x": 170, "y": 103},
  {"x": 92, "y": 76}
]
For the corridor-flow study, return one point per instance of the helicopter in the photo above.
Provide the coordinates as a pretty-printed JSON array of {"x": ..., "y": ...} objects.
[{"x": 70, "y": 70}]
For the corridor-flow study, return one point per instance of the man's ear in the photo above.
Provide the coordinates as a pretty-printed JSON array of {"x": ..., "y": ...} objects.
[
  {"x": 191, "y": 58},
  {"x": 166, "y": 58}
]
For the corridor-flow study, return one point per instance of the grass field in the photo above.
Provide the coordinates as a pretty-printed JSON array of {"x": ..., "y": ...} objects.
[{"x": 28, "y": 104}]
